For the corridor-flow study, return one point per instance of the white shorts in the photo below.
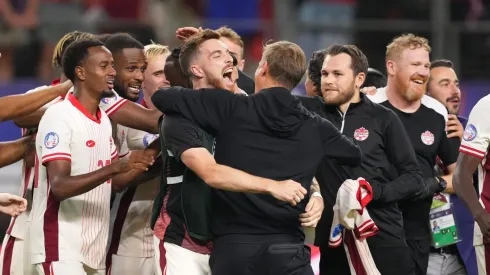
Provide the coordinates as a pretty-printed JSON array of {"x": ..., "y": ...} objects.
[
  {"x": 183, "y": 261},
  {"x": 14, "y": 259},
  {"x": 482, "y": 258},
  {"x": 67, "y": 267},
  {"x": 122, "y": 265}
]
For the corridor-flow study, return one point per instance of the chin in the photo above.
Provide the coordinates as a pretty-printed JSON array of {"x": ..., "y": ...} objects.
[{"x": 107, "y": 93}]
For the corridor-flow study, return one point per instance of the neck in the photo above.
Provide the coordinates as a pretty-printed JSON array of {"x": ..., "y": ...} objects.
[
  {"x": 200, "y": 84},
  {"x": 147, "y": 99},
  {"x": 270, "y": 83},
  {"x": 356, "y": 98},
  {"x": 398, "y": 101},
  {"x": 86, "y": 99},
  {"x": 63, "y": 78}
]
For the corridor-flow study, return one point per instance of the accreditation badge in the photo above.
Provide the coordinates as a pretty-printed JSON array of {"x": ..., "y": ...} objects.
[{"x": 442, "y": 224}]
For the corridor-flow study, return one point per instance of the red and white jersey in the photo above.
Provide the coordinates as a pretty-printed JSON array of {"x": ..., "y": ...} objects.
[
  {"x": 131, "y": 210},
  {"x": 476, "y": 139},
  {"x": 18, "y": 227},
  {"x": 76, "y": 228},
  {"x": 111, "y": 104}
]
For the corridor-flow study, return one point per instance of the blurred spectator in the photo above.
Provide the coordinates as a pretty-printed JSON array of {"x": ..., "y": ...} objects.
[{"x": 17, "y": 16}]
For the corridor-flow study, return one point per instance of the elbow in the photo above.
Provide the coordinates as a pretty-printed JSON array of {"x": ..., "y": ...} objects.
[
  {"x": 58, "y": 194},
  {"x": 210, "y": 177}
]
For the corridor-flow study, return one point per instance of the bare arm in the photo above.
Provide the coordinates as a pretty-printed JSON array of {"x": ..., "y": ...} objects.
[
  {"x": 463, "y": 183},
  {"x": 223, "y": 177},
  {"x": 31, "y": 120},
  {"x": 65, "y": 186},
  {"x": 13, "y": 151},
  {"x": 449, "y": 179},
  {"x": 15, "y": 106},
  {"x": 137, "y": 117}
]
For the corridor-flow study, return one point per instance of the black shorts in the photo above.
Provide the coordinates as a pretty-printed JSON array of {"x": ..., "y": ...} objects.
[
  {"x": 388, "y": 260},
  {"x": 252, "y": 255}
]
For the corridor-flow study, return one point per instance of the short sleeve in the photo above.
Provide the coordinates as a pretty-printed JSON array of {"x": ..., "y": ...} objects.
[
  {"x": 110, "y": 105},
  {"x": 476, "y": 136},
  {"x": 54, "y": 136},
  {"x": 180, "y": 135},
  {"x": 139, "y": 140}
]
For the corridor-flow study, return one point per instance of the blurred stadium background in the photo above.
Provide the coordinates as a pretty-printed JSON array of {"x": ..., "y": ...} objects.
[{"x": 458, "y": 30}]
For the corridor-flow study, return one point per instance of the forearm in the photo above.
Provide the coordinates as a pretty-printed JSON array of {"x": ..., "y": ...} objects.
[
  {"x": 136, "y": 177},
  {"x": 64, "y": 187},
  {"x": 13, "y": 151},
  {"x": 31, "y": 120},
  {"x": 230, "y": 179},
  {"x": 404, "y": 187},
  {"x": 462, "y": 182},
  {"x": 315, "y": 187},
  {"x": 20, "y": 105},
  {"x": 137, "y": 117}
]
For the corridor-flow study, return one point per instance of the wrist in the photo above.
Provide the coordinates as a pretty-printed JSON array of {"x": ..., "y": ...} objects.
[{"x": 316, "y": 194}]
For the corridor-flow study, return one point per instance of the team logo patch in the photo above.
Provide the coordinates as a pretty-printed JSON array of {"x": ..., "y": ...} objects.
[
  {"x": 469, "y": 132},
  {"x": 427, "y": 138},
  {"x": 51, "y": 140},
  {"x": 361, "y": 134},
  {"x": 90, "y": 143},
  {"x": 337, "y": 230},
  {"x": 108, "y": 100},
  {"x": 148, "y": 139}
]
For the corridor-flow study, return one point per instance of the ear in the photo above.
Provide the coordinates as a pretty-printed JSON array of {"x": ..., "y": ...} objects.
[
  {"x": 359, "y": 80},
  {"x": 197, "y": 71},
  {"x": 265, "y": 68},
  {"x": 390, "y": 67},
  {"x": 80, "y": 73},
  {"x": 241, "y": 64}
]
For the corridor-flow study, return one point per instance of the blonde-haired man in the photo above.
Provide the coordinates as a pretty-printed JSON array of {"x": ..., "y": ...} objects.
[
  {"x": 407, "y": 66},
  {"x": 155, "y": 79}
]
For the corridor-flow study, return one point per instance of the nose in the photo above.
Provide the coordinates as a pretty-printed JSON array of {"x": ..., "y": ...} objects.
[
  {"x": 423, "y": 71},
  {"x": 112, "y": 71},
  {"x": 140, "y": 76},
  {"x": 455, "y": 90},
  {"x": 229, "y": 59}
]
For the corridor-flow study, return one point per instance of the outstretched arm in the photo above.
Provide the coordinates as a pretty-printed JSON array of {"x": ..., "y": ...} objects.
[{"x": 13, "y": 151}]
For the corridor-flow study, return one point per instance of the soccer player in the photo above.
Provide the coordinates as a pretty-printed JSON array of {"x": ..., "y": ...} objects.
[
  {"x": 474, "y": 155},
  {"x": 131, "y": 246},
  {"x": 389, "y": 162},
  {"x": 15, "y": 258},
  {"x": 459, "y": 258},
  {"x": 313, "y": 74},
  {"x": 269, "y": 135},
  {"x": 155, "y": 78},
  {"x": 76, "y": 161},
  {"x": 408, "y": 65}
]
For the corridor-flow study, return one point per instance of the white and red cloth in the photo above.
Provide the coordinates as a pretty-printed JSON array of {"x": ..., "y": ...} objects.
[{"x": 352, "y": 225}]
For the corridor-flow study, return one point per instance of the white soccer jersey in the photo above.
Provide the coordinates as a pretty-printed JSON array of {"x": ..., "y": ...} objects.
[
  {"x": 476, "y": 139},
  {"x": 75, "y": 229},
  {"x": 109, "y": 104},
  {"x": 18, "y": 227},
  {"x": 131, "y": 211},
  {"x": 426, "y": 100}
]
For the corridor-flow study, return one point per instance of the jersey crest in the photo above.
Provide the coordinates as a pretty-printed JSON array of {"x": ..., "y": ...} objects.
[
  {"x": 108, "y": 100},
  {"x": 427, "y": 138},
  {"x": 361, "y": 134},
  {"x": 51, "y": 140},
  {"x": 470, "y": 132},
  {"x": 148, "y": 139}
]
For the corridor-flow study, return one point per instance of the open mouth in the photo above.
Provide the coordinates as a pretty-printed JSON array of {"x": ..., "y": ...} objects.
[
  {"x": 134, "y": 88},
  {"x": 418, "y": 81},
  {"x": 110, "y": 84},
  {"x": 227, "y": 73}
]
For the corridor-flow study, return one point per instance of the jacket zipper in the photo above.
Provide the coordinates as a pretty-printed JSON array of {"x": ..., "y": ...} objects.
[{"x": 343, "y": 118}]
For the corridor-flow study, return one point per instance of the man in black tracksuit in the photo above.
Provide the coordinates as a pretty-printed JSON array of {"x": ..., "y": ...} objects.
[
  {"x": 269, "y": 135},
  {"x": 389, "y": 163}
]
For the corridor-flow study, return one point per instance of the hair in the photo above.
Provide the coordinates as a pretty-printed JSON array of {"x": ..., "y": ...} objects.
[
  {"x": 63, "y": 43},
  {"x": 120, "y": 41},
  {"x": 174, "y": 73},
  {"x": 103, "y": 36},
  {"x": 406, "y": 41},
  {"x": 441, "y": 63},
  {"x": 75, "y": 54},
  {"x": 232, "y": 36},
  {"x": 190, "y": 48},
  {"x": 437, "y": 64},
  {"x": 374, "y": 78},
  {"x": 153, "y": 49},
  {"x": 315, "y": 67},
  {"x": 286, "y": 62},
  {"x": 359, "y": 63}
]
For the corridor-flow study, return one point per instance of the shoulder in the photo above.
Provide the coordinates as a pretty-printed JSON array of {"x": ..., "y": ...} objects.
[
  {"x": 312, "y": 103},
  {"x": 435, "y": 105},
  {"x": 379, "y": 97},
  {"x": 482, "y": 106}
]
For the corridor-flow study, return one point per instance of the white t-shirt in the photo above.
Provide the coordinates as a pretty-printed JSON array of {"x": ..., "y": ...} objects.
[
  {"x": 476, "y": 140},
  {"x": 75, "y": 229}
]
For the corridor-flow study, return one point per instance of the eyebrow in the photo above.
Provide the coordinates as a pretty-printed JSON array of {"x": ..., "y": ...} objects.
[
  {"x": 157, "y": 72},
  {"x": 216, "y": 51}
]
